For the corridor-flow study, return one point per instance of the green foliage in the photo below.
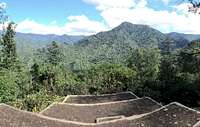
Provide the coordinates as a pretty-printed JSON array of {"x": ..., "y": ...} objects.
[
  {"x": 126, "y": 58},
  {"x": 189, "y": 57},
  {"x": 146, "y": 62},
  {"x": 135, "y": 35},
  {"x": 54, "y": 54},
  {"x": 179, "y": 76},
  {"x": 108, "y": 78},
  {"x": 185, "y": 90},
  {"x": 59, "y": 80},
  {"x": 35, "y": 75},
  {"x": 8, "y": 47},
  {"x": 169, "y": 68},
  {"x": 168, "y": 46},
  {"x": 36, "y": 102},
  {"x": 8, "y": 86}
]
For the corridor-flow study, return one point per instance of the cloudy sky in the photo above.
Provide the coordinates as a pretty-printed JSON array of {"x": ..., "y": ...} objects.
[{"x": 86, "y": 17}]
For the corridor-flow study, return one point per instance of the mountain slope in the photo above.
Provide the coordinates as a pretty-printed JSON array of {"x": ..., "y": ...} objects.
[
  {"x": 38, "y": 38},
  {"x": 180, "y": 39},
  {"x": 127, "y": 33},
  {"x": 116, "y": 45},
  {"x": 28, "y": 43},
  {"x": 192, "y": 37},
  {"x": 113, "y": 46},
  {"x": 183, "y": 39}
]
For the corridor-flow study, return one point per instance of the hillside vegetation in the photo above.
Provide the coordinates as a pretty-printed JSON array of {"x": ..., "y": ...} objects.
[{"x": 130, "y": 57}]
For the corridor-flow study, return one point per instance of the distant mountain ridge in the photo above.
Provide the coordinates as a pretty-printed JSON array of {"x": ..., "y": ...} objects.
[
  {"x": 189, "y": 37},
  {"x": 39, "y": 38},
  {"x": 113, "y": 46},
  {"x": 184, "y": 38},
  {"x": 28, "y": 43},
  {"x": 140, "y": 34}
]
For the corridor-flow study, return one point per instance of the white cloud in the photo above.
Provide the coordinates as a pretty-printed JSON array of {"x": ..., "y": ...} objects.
[
  {"x": 76, "y": 25},
  {"x": 166, "y": 2},
  {"x": 31, "y": 26},
  {"x": 82, "y": 24},
  {"x": 106, "y": 4},
  {"x": 116, "y": 12},
  {"x": 177, "y": 20}
]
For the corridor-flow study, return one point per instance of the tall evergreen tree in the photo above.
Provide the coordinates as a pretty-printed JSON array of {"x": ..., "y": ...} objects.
[
  {"x": 8, "y": 47},
  {"x": 168, "y": 62},
  {"x": 168, "y": 46},
  {"x": 35, "y": 77},
  {"x": 54, "y": 54}
]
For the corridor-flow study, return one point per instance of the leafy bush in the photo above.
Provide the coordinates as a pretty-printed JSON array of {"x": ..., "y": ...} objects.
[
  {"x": 36, "y": 102},
  {"x": 8, "y": 86},
  {"x": 108, "y": 78},
  {"x": 59, "y": 80}
]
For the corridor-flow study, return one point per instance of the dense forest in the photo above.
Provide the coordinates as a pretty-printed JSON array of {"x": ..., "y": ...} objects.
[{"x": 130, "y": 57}]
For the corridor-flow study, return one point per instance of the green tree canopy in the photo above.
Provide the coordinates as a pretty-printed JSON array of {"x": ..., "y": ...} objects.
[
  {"x": 54, "y": 53},
  {"x": 8, "y": 47},
  {"x": 108, "y": 78}
]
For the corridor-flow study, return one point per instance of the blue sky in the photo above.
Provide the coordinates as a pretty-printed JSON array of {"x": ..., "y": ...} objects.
[
  {"x": 45, "y": 11},
  {"x": 91, "y": 16}
]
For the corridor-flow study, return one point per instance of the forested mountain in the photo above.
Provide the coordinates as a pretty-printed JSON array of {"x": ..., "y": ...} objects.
[
  {"x": 113, "y": 46},
  {"x": 126, "y": 33},
  {"x": 183, "y": 39},
  {"x": 134, "y": 34},
  {"x": 138, "y": 36},
  {"x": 28, "y": 43}
]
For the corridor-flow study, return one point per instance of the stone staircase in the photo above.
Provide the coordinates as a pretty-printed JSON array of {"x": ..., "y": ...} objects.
[{"x": 109, "y": 110}]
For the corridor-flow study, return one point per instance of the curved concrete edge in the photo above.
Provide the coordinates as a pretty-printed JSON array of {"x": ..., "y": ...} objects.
[
  {"x": 154, "y": 101},
  {"x": 197, "y": 124},
  {"x": 68, "y": 96},
  {"x": 106, "y": 103},
  {"x": 2, "y": 104},
  {"x": 179, "y": 104},
  {"x": 79, "y": 105},
  {"x": 159, "y": 109},
  {"x": 51, "y": 105}
]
